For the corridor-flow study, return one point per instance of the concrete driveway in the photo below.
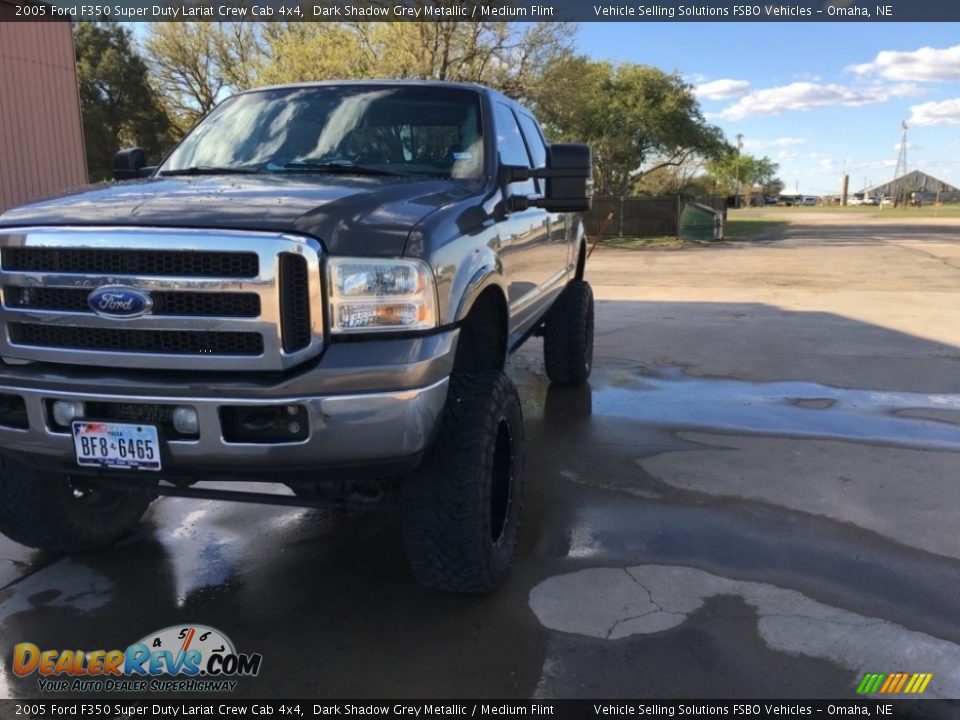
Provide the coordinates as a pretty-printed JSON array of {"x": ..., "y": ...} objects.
[{"x": 757, "y": 496}]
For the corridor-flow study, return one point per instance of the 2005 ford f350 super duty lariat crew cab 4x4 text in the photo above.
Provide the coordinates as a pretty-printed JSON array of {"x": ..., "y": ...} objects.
[{"x": 319, "y": 286}]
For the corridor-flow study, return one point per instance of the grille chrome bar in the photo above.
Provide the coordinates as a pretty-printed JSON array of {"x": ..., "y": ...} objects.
[
  {"x": 207, "y": 304},
  {"x": 228, "y": 341}
]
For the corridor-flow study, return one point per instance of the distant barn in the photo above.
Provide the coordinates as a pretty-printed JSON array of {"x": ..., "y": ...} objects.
[{"x": 915, "y": 186}]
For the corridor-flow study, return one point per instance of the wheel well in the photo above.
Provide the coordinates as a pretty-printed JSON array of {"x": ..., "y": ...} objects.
[
  {"x": 582, "y": 260},
  {"x": 483, "y": 334}
]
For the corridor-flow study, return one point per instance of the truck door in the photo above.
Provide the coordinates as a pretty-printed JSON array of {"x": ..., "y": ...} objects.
[
  {"x": 558, "y": 252},
  {"x": 523, "y": 233}
]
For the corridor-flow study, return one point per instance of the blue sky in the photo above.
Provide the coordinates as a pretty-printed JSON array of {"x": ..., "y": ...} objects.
[{"x": 813, "y": 96}]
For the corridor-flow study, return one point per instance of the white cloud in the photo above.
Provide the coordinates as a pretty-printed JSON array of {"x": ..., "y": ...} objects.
[
  {"x": 946, "y": 112},
  {"x": 787, "y": 155},
  {"x": 809, "y": 96},
  {"x": 924, "y": 65},
  {"x": 780, "y": 142},
  {"x": 725, "y": 89}
]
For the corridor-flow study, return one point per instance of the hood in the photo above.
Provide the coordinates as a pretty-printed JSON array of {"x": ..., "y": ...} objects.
[{"x": 350, "y": 215}]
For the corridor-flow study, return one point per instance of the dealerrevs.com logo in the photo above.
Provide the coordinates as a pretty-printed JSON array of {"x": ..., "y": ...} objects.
[{"x": 191, "y": 658}]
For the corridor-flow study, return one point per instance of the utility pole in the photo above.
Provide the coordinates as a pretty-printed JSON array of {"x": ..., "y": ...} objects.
[
  {"x": 739, "y": 146},
  {"x": 844, "y": 185}
]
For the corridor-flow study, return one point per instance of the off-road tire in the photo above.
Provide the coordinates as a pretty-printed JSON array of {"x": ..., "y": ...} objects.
[
  {"x": 461, "y": 507},
  {"x": 42, "y": 511},
  {"x": 568, "y": 336}
]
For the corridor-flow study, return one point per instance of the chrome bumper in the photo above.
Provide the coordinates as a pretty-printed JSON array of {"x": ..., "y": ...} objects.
[
  {"x": 344, "y": 430},
  {"x": 368, "y": 404}
]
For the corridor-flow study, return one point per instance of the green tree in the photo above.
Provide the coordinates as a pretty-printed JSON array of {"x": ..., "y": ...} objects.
[
  {"x": 194, "y": 65},
  {"x": 503, "y": 55},
  {"x": 752, "y": 172},
  {"x": 637, "y": 118},
  {"x": 118, "y": 106}
]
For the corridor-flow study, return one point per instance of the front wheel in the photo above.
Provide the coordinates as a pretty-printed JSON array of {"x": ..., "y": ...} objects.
[
  {"x": 60, "y": 514},
  {"x": 461, "y": 507}
]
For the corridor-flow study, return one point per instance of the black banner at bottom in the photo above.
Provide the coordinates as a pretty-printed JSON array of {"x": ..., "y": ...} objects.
[{"x": 110, "y": 708}]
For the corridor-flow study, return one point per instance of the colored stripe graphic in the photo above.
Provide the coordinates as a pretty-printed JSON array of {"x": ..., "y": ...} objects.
[{"x": 894, "y": 683}]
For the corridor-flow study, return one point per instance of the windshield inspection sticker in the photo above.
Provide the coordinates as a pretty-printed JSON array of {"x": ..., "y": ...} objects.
[{"x": 180, "y": 658}]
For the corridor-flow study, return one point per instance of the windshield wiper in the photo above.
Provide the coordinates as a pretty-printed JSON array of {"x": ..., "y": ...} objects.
[
  {"x": 210, "y": 170},
  {"x": 346, "y": 168}
]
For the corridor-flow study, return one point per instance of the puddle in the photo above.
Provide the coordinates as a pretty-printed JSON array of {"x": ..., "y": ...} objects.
[
  {"x": 78, "y": 587},
  {"x": 799, "y": 409}
]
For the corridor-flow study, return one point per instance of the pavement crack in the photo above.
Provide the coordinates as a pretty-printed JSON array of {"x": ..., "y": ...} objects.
[
  {"x": 646, "y": 589},
  {"x": 627, "y": 619}
]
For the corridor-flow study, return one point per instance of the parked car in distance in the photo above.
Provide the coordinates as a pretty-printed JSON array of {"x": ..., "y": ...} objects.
[
  {"x": 809, "y": 200},
  {"x": 870, "y": 200},
  {"x": 887, "y": 201}
]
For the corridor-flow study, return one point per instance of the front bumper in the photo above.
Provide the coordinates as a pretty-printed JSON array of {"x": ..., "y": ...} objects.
[{"x": 358, "y": 432}]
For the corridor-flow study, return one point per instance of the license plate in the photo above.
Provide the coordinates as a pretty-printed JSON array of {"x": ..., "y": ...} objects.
[{"x": 116, "y": 445}]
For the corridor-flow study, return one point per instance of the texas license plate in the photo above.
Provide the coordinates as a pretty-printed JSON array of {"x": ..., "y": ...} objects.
[{"x": 116, "y": 445}]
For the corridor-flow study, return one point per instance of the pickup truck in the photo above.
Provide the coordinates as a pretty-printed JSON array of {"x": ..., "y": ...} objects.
[{"x": 319, "y": 286}]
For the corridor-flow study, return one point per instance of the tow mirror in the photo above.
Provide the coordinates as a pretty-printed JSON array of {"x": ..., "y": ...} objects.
[
  {"x": 128, "y": 164},
  {"x": 568, "y": 175}
]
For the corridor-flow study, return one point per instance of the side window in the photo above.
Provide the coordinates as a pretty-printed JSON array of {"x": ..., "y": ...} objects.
[
  {"x": 512, "y": 149},
  {"x": 538, "y": 149},
  {"x": 534, "y": 138}
]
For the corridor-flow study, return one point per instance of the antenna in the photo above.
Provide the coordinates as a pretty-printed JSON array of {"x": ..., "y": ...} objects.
[{"x": 902, "y": 157}]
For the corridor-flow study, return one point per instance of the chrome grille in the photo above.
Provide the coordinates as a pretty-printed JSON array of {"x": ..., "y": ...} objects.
[
  {"x": 294, "y": 306},
  {"x": 164, "y": 303},
  {"x": 226, "y": 300},
  {"x": 146, "y": 262},
  {"x": 167, "y": 342}
]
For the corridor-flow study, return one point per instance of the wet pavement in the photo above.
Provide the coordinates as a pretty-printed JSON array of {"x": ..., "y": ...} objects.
[{"x": 756, "y": 496}]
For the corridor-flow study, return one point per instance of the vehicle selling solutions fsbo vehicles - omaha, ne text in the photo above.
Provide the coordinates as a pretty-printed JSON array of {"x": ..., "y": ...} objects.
[{"x": 319, "y": 285}]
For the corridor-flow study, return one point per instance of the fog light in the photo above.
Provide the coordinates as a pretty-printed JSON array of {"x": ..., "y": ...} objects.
[
  {"x": 186, "y": 421},
  {"x": 66, "y": 411}
]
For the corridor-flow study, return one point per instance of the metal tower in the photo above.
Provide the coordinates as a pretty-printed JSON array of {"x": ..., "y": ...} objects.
[{"x": 902, "y": 157}]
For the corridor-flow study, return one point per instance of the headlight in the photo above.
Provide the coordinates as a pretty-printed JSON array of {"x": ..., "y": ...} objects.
[{"x": 368, "y": 295}]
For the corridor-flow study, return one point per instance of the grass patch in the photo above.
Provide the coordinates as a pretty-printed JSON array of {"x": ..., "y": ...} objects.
[
  {"x": 747, "y": 228},
  {"x": 866, "y": 212},
  {"x": 645, "y": 243}
]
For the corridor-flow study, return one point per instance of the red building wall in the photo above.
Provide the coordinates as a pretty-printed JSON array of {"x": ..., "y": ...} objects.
[{"x": 41, "y": 136}]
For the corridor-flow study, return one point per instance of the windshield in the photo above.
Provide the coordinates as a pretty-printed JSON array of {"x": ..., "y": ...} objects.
[{"x": 395, "y": 130}]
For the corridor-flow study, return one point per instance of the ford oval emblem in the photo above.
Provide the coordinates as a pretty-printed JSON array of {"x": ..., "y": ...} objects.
[{"x": 116, "y": 301}]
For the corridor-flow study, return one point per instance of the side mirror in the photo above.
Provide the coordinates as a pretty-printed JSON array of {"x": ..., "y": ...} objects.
[
  {"x": 128, "y": 163},
  {"x": 570, "y": 182},
  {"x": 569, "y": 176}
]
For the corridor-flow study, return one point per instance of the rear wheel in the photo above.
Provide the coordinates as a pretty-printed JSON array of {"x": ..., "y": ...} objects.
[
  {"x": 568, "y": 335},
  {"x": 63, "y": 514},
  {"x": 461, "y": 507}
]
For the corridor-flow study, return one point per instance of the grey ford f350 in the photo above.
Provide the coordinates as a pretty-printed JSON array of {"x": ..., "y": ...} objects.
[{"x": 319, "y": 286}]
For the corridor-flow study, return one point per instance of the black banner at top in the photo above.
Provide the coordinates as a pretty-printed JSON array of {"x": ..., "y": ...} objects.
[
  {"x": 835, "y": 11},
  {"x": 108, "y": 708}
]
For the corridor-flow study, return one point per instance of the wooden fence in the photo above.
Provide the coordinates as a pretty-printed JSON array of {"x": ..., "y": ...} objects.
[{"x": 642, "y": 216}]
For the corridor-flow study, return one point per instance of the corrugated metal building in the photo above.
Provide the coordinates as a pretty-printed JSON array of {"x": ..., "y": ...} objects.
[
  {"x": 916, "y": 185},
  {"x": 41, "y": 135}
]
